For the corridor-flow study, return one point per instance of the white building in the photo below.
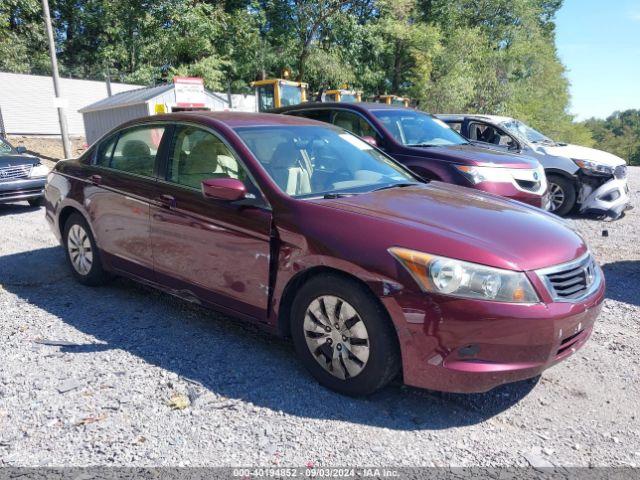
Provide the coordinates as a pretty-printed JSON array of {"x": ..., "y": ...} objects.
[{"x": 28, "y": 106}]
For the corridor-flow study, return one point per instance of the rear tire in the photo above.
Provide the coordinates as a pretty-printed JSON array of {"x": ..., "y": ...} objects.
[
  {"x": 82, "y": 253},
  {"x": 36, "y": 202},
  {"x": 343, "y": 335},
  {"x": 562, "y": 194}
]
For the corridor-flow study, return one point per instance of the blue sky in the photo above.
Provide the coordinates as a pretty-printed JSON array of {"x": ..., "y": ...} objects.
[{"x": 599, "y": 43}]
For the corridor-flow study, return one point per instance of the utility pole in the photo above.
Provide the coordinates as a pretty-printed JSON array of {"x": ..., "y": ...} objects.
[{"x": 56, "y": 80}]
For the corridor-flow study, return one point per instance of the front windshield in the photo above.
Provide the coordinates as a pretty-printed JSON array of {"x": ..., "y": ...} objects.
[
  {"x": 312, "y": 161},
  {"x": 519, "y": 129},
  {"x": 348, "y": 98},
  {"x": 413, "y": 128},
  {"x": 4, "y": 147},
  {"x": 290, "y": 95}
]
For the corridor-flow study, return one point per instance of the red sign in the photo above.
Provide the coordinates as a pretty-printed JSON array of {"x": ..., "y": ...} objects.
[{"x": 189, "y": 92}]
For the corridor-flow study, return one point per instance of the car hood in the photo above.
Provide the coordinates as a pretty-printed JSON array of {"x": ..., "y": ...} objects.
[
  {"x": 474, "y": 155},
  {"x": 582, "y": 153},
  {"x": 458, "y": 222},
  {"x": 13, "y": 160}
]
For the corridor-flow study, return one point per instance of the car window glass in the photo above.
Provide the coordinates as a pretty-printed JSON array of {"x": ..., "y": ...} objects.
[
  {"x": 347, "y": 120},
  {"x": 319, "y": 115},
  {"x": 365, "y": 129},
  {"x": 105, "y": 150},
  {"x": 4, "y": 147},
  {"x": 457, "y": 126},
  {"x": 354, "y": 123},
  {"x": 314, "y": 160},
  {"x": 413, "y": 128},
  {"x": 198, "y": 155},
  {"x": 486, "y": 133},
  {"x": 136, "y": 150}
]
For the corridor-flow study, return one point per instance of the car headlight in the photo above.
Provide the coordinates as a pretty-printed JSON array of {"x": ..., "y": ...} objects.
[
  {"x": 485, "y": 174},
  {"x": 594, "y": 168},
  {"x": 39, "y": 170},
  {"x": 457, "y": 278}
]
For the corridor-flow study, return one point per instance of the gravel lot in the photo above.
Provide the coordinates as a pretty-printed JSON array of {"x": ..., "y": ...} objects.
[{"x": 87, "y": 377}]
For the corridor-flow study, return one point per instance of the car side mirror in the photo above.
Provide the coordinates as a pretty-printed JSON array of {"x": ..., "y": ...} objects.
[
  {"x": 228, "y": 189},
  {"x": 370, "y": 140},
  {"x": 21, "y": 149}
]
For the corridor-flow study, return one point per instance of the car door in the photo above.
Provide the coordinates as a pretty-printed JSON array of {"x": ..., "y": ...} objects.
[
  {"x": 204, "y": 249},
  {"x": 122, "y": 182}
]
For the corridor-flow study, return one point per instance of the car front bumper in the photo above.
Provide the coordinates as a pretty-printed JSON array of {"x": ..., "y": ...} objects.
[
  {"x": 465, "y": 346},
  {"x": 610, "y": 199},
  {"x": 15, "y": 190}
]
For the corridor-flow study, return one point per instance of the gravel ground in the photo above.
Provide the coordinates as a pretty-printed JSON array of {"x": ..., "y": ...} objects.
[
  {"x": 93, "y": 376},
  {"x": 47, "y": 148}
]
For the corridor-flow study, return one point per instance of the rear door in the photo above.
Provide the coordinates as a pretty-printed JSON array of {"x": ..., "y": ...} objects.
[
  {"x": 123, "y": 183},
  {"x": 210, "y": 250}
]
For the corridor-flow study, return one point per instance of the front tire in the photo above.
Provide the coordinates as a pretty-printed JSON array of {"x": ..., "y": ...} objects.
[
  {"x": 562, "y": 194},
  {"x": 343, "y": 336},
  {"x": 82, "y": 253}
]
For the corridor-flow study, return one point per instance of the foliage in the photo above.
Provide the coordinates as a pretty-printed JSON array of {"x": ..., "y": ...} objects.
[
  {"x": 489, "y": 56},
  {"x": 618, "y": 134}
]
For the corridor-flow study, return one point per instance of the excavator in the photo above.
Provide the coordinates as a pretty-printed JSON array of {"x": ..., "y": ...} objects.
[
  {"x": 279, "y": 92},
  {"x": 394, "y": 100},
  {"x": 342, "y": 95}
]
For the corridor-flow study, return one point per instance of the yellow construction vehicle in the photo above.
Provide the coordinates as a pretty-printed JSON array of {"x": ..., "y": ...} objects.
[
  {"x": 342, "y": 95},
  {"x": 394, "y": 100},
  {"x": 279, "y": 92}
]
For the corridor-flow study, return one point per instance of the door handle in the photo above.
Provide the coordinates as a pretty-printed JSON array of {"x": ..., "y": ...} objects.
[
  {"x": 167, "y": 201},
  {"x": 95, "y": 179}
]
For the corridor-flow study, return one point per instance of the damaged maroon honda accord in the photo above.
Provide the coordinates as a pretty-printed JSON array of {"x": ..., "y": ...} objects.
[{"x": 309, "y": 231}]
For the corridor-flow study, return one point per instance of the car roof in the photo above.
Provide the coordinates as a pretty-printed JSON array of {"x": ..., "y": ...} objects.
[
  {"x": 357, "y": 106},
  {"x": 232, "y": 119},
  {"x": 462, "y": 116}
]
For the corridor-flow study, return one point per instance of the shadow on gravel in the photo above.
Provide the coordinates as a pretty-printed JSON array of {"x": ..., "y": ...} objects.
[
  {"x": 14, "y": 208},
  {"x": 225, "y": 357},
  {"x": 621, "y": 280}
]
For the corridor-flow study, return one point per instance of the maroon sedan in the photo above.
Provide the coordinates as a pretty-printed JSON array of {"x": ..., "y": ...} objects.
[{"x": 309, "y": 231}]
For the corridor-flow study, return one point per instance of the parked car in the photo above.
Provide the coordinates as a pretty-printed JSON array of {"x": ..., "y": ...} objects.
[
  {"x": 22, "y": 176},
  {"x": 591, "y": 179},
  {"x": 431, "y": 149},
  {"x": 307, "y": 230}
]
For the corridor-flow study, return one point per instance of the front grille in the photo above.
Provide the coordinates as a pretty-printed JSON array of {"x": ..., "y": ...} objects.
[
  {"x": 14, "y": 172},
  {"x": 620, "y": 172},
  {"x": 527, "y": 185},
  {"x": 572, "y": 281}
]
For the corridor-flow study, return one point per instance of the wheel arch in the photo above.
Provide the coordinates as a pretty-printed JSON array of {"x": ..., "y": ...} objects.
[
  {"x": 68, "y": 210},
  {"x": 294, "y": 284},
  {"x": 561, "y": 173}
]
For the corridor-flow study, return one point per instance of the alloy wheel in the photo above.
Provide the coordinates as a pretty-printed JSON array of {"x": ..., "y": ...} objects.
[
  {"x": 80, "y": 251},
  {"x": 336, "y": 336},
  {"x": 556, "y": 196}
]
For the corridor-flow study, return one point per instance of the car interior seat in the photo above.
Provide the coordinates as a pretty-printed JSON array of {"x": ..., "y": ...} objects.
[
  {"x": 136, "y": 158},
  {"x": 286, "y": 169},
  {"x": 201, "y": 164}
]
